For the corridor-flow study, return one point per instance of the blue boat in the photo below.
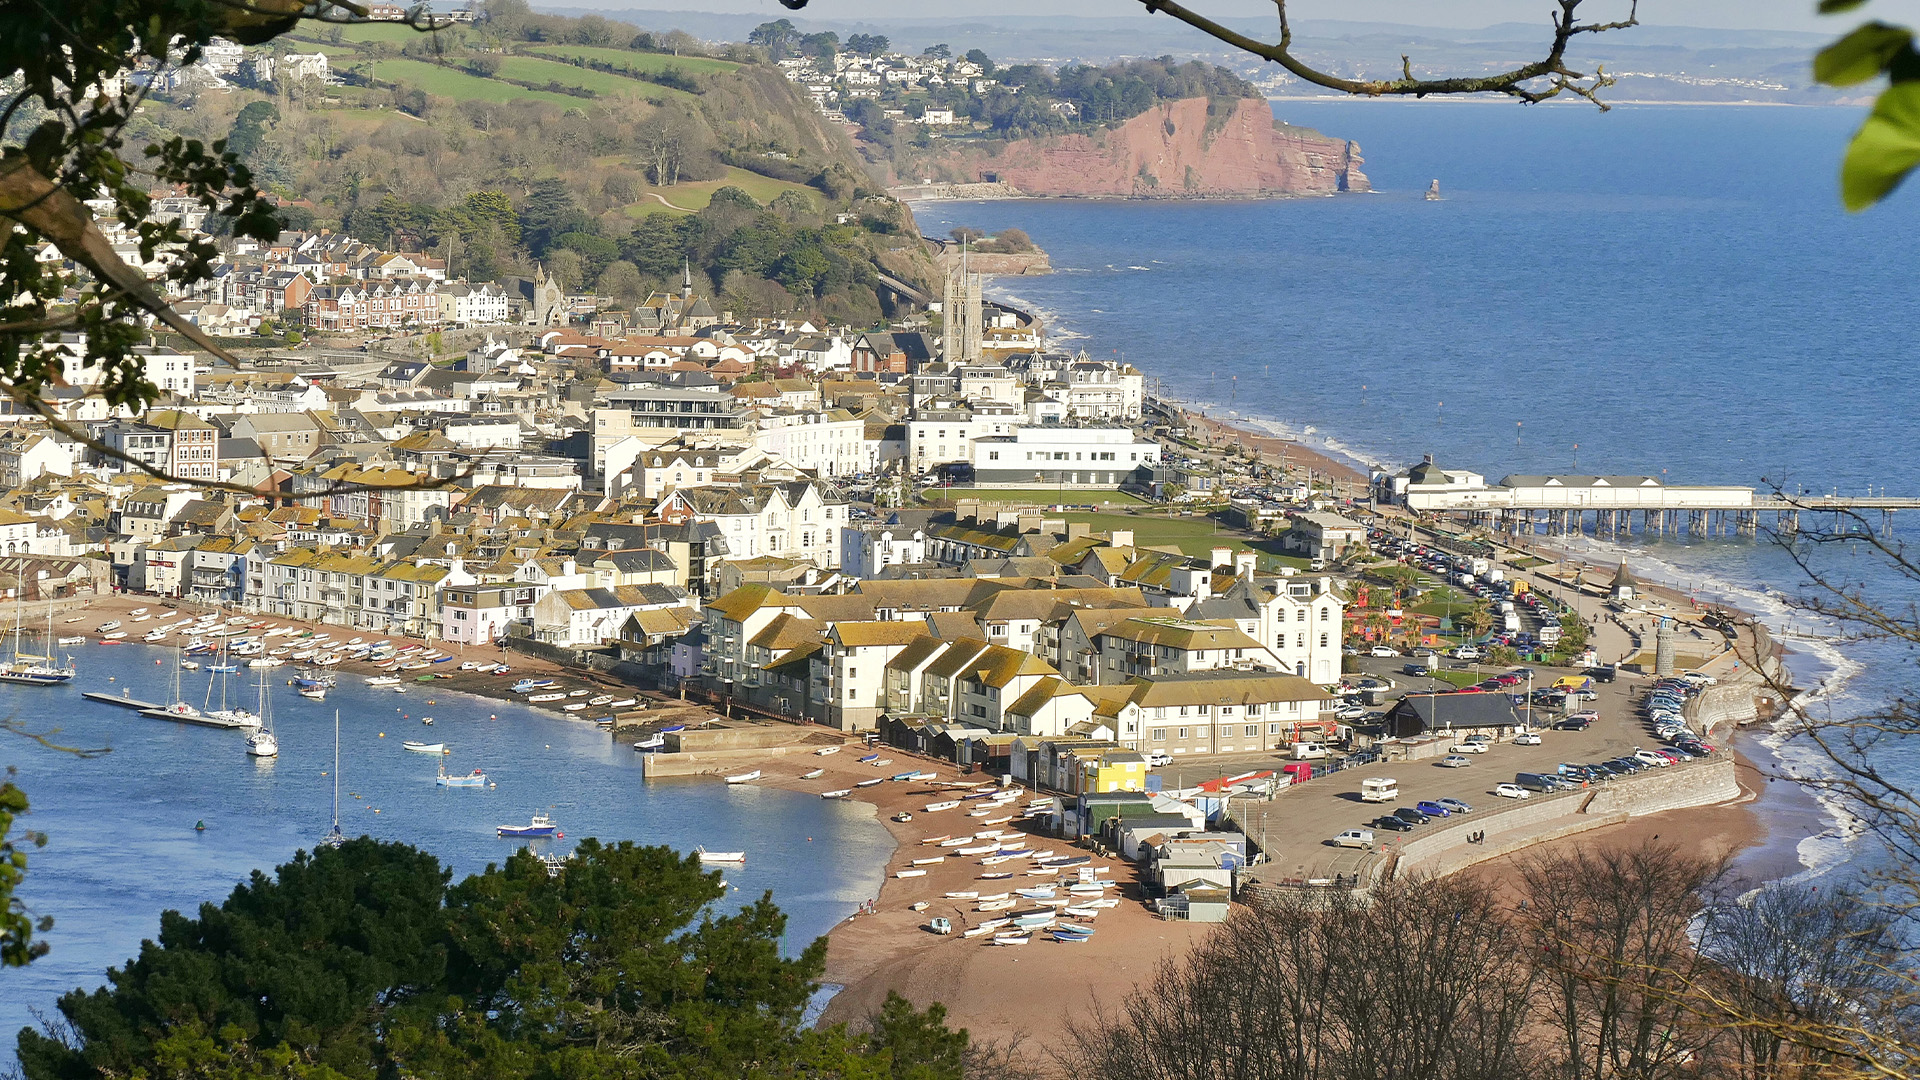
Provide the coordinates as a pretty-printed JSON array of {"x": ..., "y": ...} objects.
[
  {"x": 907, "y": 775},
  {"x": 541, "y": 825},
  {"x": 870, "y": 759},
  {"x": 474, "y": 779},
  {"x": 223, "y": 669},
  {"x": 1035, "y": 894},
  {"x": 1060, "y": 934}
]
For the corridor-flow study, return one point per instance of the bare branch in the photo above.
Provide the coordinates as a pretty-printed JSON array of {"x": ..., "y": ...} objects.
[{"x": 1553, "y": 67}]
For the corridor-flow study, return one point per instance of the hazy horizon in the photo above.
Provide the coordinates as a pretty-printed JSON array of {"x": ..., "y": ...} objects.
[{"x": 1460, "y": 14}]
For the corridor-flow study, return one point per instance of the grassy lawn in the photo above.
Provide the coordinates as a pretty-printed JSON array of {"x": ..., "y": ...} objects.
[
  {"x": 1042, "y": 496},
  {"x": 450, "y": 82},
  {"x": 695, "y": 196},
  {"x": 535, "y": 70},
  {"x": 638, "y": 61},
  {"x": 1457, "y": 678}
]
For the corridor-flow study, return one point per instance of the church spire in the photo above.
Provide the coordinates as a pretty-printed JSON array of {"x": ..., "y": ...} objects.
[{"x": 686, "y": 279}]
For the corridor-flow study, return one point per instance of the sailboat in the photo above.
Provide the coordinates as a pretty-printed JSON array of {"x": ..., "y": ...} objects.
[
  {"x": 179, "y": 707},
  {"x": 261, "y": 742},
  {"x": 335, "y": 837},
  {"x": 27, "y": 667},
  {"x": 223, "y": 716}
]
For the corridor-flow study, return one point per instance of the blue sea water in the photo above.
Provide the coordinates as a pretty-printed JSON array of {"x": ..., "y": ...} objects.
[
  {"x": 1661, "y": 290},
  {"x": 121, "y": 826}
]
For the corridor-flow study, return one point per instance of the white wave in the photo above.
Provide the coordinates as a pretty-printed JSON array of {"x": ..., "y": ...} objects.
[{"x": 1140, "y": 268}]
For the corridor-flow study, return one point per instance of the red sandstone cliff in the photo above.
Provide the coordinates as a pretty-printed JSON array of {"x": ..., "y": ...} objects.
[{"x": 1174, "y": 150}]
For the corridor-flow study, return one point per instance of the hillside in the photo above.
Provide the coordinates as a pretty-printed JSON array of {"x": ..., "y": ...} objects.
[
  {"x": 1194, "y": 148},
  {"x": 605, "y": 155}
]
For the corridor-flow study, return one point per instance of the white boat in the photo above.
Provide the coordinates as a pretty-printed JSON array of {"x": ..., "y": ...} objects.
[
  {"x": 261, "y": 742},
  {"x": 956, "y": 841},
  {"x": 934, "y": 808},
  {"x": 623, "y": 703},
  {"x": 984, "y": 849},
  {"x": 579, "y": 693},
  {"x": 814, "y": 775},
  {"x": 383, "y": 680},
  {"x": 73, "y": 639},
  {"x": 547, "y": 697},
  {"x": 1016, "y": 939},
  {"x": 967, "y": 895},
  {"x": 909, "y": 873},
  {"x": 1081, "y": 912},
  {"x": 881, "y": 761},
  {"x": 424, "y": 747},
  {"x": 1105, "y": 902},
  {"x": 839, "y": 794},
  {"x": 603, "y": 699},
  {"x": 933, "y": 861},
  {"x": 720, "y": 856},
  {"x": 977, "y": 931},
  {"x": 313, "y": 693},
  {"x": 744, "y": 778},
  {"x": 870, "y": 783},
  {"x": 651, "y": 742},
  {"x": 107, "y": 626},
  {"x": 577, "y": 706},
  {"x": 827, "y": 751}
]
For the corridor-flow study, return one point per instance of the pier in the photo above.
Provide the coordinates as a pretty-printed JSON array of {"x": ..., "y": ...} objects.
[
  {"x": 121, "y": 700},
  {"x": 1619, "y": 506}
]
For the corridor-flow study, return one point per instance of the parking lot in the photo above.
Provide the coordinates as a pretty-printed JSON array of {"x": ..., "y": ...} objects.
[{"x": 1295, "y": 826}]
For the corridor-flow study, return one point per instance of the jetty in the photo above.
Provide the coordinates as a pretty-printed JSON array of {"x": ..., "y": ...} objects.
[
  {"x": 198, "y": 719},
  {"x": 1563, "y": 504},
  {"x": 121, "y": 700}
]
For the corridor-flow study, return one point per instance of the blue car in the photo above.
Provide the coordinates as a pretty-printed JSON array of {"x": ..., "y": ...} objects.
[{"x": 1432, "y": 809}]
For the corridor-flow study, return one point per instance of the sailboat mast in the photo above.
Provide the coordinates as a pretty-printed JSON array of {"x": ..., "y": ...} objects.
[{"x": 336, "y": 772}]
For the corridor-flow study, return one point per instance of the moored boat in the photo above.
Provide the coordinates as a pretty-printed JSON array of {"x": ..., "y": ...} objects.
[
  {"x": 744, "y": 778},
  {"x": 815, "y": 774},
  {"x": 541, "y": 825},
  {"x": 840, "y": 793},
  {"x": 826, "y": 751},
  {"x": 720, "y": 856},
  {"x": 424, "y": 747}
]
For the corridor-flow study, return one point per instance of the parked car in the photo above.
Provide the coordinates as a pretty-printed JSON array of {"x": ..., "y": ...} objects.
[
  {"x": 1455, "y": 805},
  {"x": 1382, "y": 650},
  {"x": 1392, "y": 824},
  {"x": 1527, "y": 738},
  {"x": 1512, "y": 791},
  {"x": 1455, "y": 761},
  {"x": 1411, "y": 816},
  {"x": 1418, "y": 671},
  {"x": 1157, "y": 758},
  {"x": 1432, "y": 809},
  {"x": 1356, "y": 838},
  {"x": 1574, "y": 723},
  {"x": 1470, "y": 748},
  {"x": 1648, "y": 757}
]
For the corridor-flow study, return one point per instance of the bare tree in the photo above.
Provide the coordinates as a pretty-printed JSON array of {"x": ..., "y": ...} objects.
[
  {"x": 1609, "y": 929},
  {"x": 1414, "y": 981}
]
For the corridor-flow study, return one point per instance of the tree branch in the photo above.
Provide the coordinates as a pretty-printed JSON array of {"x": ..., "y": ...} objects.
[{"x": 1552, "y": 67}]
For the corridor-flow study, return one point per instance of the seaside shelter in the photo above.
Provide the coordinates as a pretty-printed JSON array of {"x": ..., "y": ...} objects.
[{"x": 1452, "y": 716}]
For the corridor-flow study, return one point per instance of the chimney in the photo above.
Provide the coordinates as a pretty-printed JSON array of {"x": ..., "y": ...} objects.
[
  {"x": 1243, "y": 562},
  {"x": 1121, "y": 538},
  {"x": 1077, "y": 529},
  {"x": 1220, "y": 557}
]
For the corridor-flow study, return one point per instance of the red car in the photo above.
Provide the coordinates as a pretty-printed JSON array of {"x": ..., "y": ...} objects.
[{"x": 1508, "y": 680}]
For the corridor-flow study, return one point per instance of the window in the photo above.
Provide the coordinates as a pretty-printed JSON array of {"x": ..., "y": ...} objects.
[
  {"x": 1273, "y": 729},
  {"x": 1253, "y": 730},
  {"x": 1326, "y": 613},
  {"x": 1158, "y": 734},
  {"x": 853, "y": 673},
  {"x": 1323, "y": 641},
  {"x": 850, "y": 694},
  {"x": 1300, "y": 641},
  {"x": 1300, "y": 615},
  {"x": 993, "y": 455},
  {"x": 1183, "y": 733}
]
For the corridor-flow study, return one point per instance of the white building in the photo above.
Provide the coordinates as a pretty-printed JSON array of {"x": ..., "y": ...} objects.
[
  {"x": 865, "y": 552},
  {"x": 1065, "y": 456}
]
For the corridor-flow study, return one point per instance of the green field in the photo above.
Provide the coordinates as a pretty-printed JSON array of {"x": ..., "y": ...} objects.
[
  {"x": 450, "y": 82},
  {"x": 535, "y": 70},
  {"x": 695, "y": 196},
  {"x": 1041, "y": 496},
  {"x": 638, "y": 61}
]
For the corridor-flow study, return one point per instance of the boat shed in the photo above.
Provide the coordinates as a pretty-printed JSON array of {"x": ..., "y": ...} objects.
[{"x": 1452, "y": 716}]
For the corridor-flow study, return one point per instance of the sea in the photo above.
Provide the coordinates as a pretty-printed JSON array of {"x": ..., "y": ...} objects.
[
  {"x": 1660, "y": 290},
  {"x": 121, "y": 827}
]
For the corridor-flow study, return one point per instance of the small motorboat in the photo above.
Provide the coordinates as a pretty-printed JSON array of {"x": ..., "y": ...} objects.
[
  {"x": 826, "y": 751},
  {"x": 623, "y": 703},
  {"x": 548, "y": 697},
  {"x": 651, "y": 742},
  {"x": 313, "y": 693},
  {"x": 107, "y": 627},
  {"x": 474, "y": 779},
  {"x": 936, "y": 807},
  {"x": 903, "y": 816},
  {"x": 744, "y": 778},
  {"x": 837, "y": 794},
  {"x": 541, "y": 825},
  {"x": 815, "y": 774},
  {"x": 720, "y": 856},
  {"x": 603, "y": 699},
  {"x": 424, "y": 747},
  {"x": 579, "y": 693}
]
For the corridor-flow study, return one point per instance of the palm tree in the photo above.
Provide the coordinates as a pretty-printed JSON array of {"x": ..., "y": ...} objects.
[{"x": 1479, "y": 618}]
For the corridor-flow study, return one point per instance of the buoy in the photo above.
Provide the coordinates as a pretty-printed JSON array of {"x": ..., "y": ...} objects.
[
  {"x": 383, "y": 734},
  {"x": 199, "y": 826},
  {"x": 112, "y": 679}
]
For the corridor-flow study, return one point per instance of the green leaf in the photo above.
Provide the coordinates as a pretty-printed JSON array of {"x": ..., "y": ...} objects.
[
  {"x": 1884, "y": 150},
  {"x": 1860, "y": 55},
  {"x": 1835, "y": 7}
]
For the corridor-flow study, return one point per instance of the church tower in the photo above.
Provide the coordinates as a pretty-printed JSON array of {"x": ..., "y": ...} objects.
[{"x": 960, "y": 315}]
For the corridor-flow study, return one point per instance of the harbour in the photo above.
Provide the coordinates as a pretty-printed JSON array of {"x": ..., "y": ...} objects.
[{"x": 136, "y": 807}]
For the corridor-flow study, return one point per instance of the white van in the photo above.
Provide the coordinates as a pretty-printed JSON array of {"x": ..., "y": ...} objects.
[
  {"x": 1379, "y": 789},
  {"x": 1309, "y": 751}
]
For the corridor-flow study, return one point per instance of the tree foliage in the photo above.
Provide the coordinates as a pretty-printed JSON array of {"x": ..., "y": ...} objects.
[{"x": 362, "y": 962}]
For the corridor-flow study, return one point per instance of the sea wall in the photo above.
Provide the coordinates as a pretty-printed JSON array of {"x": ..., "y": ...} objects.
[
  {"x": 717, "y": 762},
  {"x": 1191, "y": 148},
  {"x": 1519, "y": 826}
]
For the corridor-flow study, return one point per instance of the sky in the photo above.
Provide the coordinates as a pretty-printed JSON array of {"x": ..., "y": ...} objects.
[{"x": 1733, "y": 14}]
